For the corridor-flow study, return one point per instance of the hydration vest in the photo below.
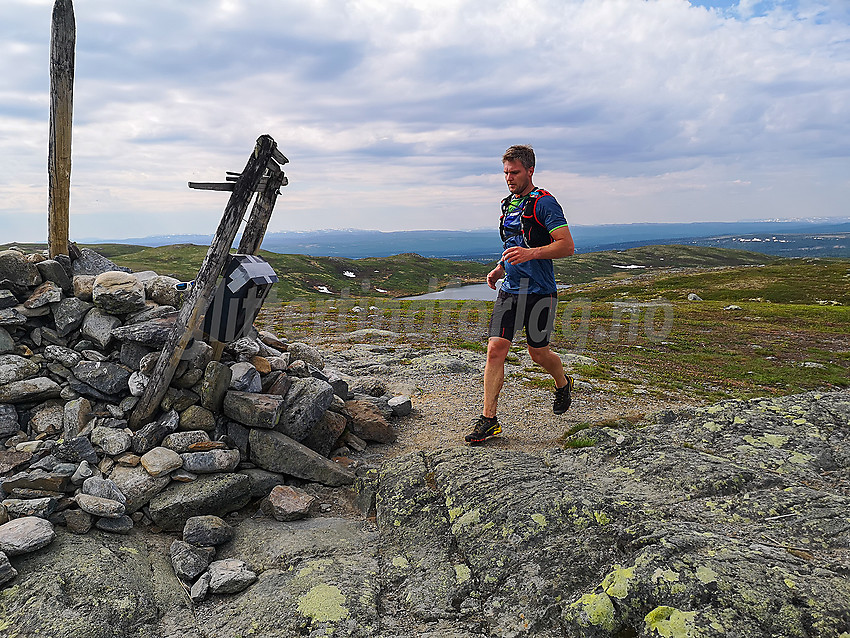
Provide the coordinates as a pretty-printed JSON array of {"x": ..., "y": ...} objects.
[{"x": 534, "y": 233}]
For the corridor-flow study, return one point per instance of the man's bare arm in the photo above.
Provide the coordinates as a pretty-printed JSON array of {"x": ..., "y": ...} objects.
[{"x": 562, "y": 246}]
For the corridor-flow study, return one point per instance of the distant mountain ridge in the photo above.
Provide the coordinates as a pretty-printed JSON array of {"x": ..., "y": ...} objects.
[{"x": 792, "y": 238}]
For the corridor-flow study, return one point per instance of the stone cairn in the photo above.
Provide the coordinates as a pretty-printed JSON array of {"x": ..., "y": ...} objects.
[{"x": 78, "y": 341}]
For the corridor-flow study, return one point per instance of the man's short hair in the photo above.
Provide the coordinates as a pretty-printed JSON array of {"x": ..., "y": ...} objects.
[{"x": 522, "y": 153}]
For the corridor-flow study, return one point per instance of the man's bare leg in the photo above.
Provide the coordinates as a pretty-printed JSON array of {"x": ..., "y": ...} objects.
[
  {"x": 549, "y": 361},
  {"x": 494, "y": 373}
]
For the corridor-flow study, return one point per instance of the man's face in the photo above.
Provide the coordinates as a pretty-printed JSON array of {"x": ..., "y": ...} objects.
[{"x": 518, "y": 177}]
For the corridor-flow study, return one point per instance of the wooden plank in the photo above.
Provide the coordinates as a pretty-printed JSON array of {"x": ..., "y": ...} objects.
[
  {"x": 221, "y": 186},
  {"x": 261, "y": 213},
  {"x": 191, "y": 313},
  {"x": 63, "y": 39},
  {"x": 279, "y": 157}
]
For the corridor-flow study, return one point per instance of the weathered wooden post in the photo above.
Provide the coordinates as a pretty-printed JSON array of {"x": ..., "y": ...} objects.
[
  {"x": 255, "y": 228},
  {"x": 191, "y": 313},
  {"x": 62, "y": 40}
]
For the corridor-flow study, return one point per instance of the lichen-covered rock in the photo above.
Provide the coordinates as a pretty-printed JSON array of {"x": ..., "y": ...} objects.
[
  {"x": 304, "y": 405},
  {"x": 665, "y": 530},
  {"x": 217, "y": 494}
]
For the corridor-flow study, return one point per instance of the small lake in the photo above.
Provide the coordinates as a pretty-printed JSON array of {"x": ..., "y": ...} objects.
[
  {"x": 475, "y": 292},
  {"x": 471, "y": 292}
]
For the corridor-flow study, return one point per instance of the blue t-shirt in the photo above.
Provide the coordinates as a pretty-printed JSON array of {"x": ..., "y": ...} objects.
[{"x": 538, "y": 275}]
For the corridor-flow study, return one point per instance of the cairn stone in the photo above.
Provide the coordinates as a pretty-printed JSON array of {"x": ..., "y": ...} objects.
[
  {"x": 76, "y": 416},
  {"x": 325, "y": 433},
  {"x": 83, "y": 285},
  {"x": 109, "y": 378},
  {"x": 14, "y": 368},
  {"x": 118, "y": 525},
  {"x": 179, "y": 442},
  {"x": 217, "y": 377},
  {"x": 230, "y": 576},
  {"x": 103, "y": 488},
  {"x": 137, "y": 485},
  {"x": 41, "y": 507},
  {"x": 161, "y": 461},
  {"x": 24, "y": 535},
  {"x": 153, "y": 433},
  {"x": 287, "y": 503},
  {"x": 51, "y": 270},
  {"x": 98, "y": 326},
  {"x": 112, "y": 441},
  {"x": 217, "y": 494},
  {"x": 207, "y": 531},
  {"x": 188, "y": 561},
  {"x": 153, "y": 333},
  {"x": 310, "y": 355},
  {"x": 75, "y": 450},
  {"x": 17, "y": 271},
  {"x": 211, "y": 461},
  {"x": 161, "y": 290},
  {"x": 7, "y": 344},
  {"x": 46, "y": 293},
  {"x": 262, "y": 481},
  {"x": 78, "y": 521},
  {"x": 279, "y": 453},
  {"x": 196, "y": 417},
  {"x": 98, "y": 506},
  {"x": 93, "y": 263},
  {"x": 254, "y": 410},
  {"x": 368, "y": 423},
  {"x": 245, "y": 378},
  {"x": 305, "y": 403}
]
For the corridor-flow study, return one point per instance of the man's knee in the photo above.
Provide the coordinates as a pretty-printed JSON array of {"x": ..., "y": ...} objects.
[
  {"x": 497, "y": 349},
  {"x": 539, "y": 355}
]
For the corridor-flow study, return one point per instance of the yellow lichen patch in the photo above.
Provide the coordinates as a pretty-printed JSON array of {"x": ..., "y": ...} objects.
[
  {"x": 401, "y": 562},
  {"x": 602, "y": 518},
  {"x": 711, "y": 426},
  {"x": 739, "y": 421},
  {"x": 539, "y": 519},
  {"x": 317, "y": 565},
  {"x": 597, "y": 610},
  {"x": 669, "y": 622},
  {"x": 455, "y": 512},
  {"x": 323, "y": 603},
  {"x": 714, "y": 409},
  {"x": 129, "y": 550},
  {"x": 462, "y": 574},
  {"x": 799, "y": 421},
  {"x": 706, "y": 575},
  {"x": 622, "y": 470},
  {"x": 800, "y": 458},
  {"x": 467, "y": 519},
  {"x": 667, "y": 574},
  {"x": 616, "y": 583},
  {"x": 790, "y": 584}
]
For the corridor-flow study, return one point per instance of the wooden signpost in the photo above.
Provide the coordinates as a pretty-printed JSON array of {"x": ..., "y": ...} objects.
[
  {"x": 62, "y": 41},
  {"x": 264, "y": 162}
]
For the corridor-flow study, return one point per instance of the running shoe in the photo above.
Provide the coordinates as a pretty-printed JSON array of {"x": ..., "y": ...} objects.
[
  {"x": 562, "y": 397},
  {"x": 482, "y": 429}
]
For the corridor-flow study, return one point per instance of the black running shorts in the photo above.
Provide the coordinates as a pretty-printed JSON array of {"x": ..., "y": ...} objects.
[{"x": 537, "y": 314}]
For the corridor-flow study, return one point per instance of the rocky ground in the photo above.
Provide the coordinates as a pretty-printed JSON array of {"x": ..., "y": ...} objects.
[{"x": 652, "y": 518}]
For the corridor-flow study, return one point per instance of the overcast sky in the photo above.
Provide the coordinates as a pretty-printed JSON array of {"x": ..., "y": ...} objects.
[{"x": 395, "y": 113}]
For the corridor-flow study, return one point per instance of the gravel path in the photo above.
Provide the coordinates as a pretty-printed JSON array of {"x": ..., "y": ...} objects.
[{"x": 446, "y": 404}]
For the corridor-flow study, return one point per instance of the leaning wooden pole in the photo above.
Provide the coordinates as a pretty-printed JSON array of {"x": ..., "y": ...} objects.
[
  {"x": 193, "y": 309},
  {"x": 255, "y": 228},
  {"x": 63, "y": 38}
]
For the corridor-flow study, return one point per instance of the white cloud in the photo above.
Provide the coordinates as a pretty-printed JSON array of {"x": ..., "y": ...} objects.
[{"x": 395, "y": 113}]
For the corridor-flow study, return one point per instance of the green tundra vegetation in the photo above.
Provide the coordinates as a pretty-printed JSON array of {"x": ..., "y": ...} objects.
[{"x": 763, "y": 325}]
